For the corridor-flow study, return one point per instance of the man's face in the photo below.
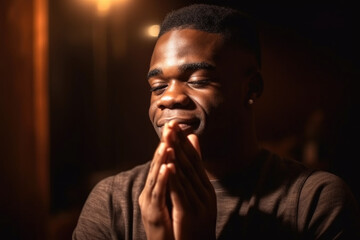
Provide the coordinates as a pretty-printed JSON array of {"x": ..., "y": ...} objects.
[{"x": 187, "y": 77}]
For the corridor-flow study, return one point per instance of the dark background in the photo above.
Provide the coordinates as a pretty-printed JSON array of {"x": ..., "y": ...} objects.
[{"x": 98, "y": 94}]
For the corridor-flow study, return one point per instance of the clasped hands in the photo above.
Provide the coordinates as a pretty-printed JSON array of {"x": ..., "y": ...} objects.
[{"x": 178, "y": 200}]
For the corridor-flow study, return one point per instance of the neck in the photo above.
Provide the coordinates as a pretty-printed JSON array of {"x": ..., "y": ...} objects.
[
  {"x": 231, "y": 150},
  {"x": 235, "y": 162}
]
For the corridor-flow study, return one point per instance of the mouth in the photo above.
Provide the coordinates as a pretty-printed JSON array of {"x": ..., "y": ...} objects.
[{"x": 187, "y": 125}]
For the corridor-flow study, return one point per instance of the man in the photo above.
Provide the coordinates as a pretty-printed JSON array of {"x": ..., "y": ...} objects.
[{"x": 209, "y": 178}]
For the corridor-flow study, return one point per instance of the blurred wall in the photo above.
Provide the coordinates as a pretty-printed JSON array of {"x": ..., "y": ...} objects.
[{"x": 24, "y": 183}]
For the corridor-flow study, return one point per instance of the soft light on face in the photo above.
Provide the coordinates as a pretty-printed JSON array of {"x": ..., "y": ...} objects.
[
  {"x": 183, "y": 78},
  {"x": 204, "y": 84}
]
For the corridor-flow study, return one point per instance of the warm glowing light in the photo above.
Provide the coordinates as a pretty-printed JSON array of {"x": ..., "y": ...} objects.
[
  {"x": 103, "y": 6},
  {"x": 153, "y": 30}
]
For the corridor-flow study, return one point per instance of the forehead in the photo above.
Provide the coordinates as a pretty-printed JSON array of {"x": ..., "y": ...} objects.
[{"x": 179, "y": 46}]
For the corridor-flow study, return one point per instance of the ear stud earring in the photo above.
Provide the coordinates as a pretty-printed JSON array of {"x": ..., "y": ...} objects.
[{"x": 250, "y": 101}]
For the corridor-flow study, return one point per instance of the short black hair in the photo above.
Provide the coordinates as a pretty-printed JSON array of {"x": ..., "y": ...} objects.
[{"x": 237, "y": 27}]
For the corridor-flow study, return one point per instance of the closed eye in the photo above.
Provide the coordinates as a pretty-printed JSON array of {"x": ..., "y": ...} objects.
[
  {"x": 158, "y": 89},
  {"x": 199, "y": 83}
]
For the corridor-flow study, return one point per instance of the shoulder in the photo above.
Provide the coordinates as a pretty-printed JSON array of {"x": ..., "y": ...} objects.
[
  {"x": 283, "y": 172},
  {"x": 327, "y": 205},
  {"x": 328, "y": 190},
  {"x": 324, "y": 179},
  {"x": 323, "y": 203},
  {"x": 135, "y": 173},
  {"x": 112, "y": 197},
  {"x": 123, "y": 181},
  {"x": 305, "y": 186},
  {"x": 309, "y": 183},
  {"x": 133, "y": 178}
]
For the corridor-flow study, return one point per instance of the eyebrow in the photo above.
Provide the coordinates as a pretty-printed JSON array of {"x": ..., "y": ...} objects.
[
  {"x": 183, "y": 68},
  {"x": 154, "y": 72},
  {"x": 196, "y": 66}
]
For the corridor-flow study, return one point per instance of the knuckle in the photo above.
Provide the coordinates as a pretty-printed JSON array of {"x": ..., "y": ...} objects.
[
  {"x": 151, "y": 218},
  {"x": 151, "y": 182},
  {"x": 154, "y": 195},
  {"x": 151, "y": 166}
]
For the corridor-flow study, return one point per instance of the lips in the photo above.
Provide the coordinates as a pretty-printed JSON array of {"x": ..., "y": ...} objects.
[{"x": 186, "y": 124}]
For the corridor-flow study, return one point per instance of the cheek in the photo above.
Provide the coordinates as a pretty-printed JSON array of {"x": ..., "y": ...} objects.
[
  {"x": 209, "y": 102},
  {"x": 152, "y": 109}
]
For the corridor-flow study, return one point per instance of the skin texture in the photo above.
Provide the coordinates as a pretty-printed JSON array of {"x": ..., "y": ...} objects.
[
  {"x": 192, "y": 211},
  {"x": 199, "y": 109},
  {"x": 184, "y": 94}
]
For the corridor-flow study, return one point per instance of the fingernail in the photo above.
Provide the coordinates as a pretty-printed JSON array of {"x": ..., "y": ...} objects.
[
  {"x": 162, "y": 168},
  {"x": 161, "y": 149},
  {"x": 173, "y": 124}
]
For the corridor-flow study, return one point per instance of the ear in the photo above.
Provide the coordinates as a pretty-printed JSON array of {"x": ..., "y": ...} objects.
[{"x": 255, "y": 86}]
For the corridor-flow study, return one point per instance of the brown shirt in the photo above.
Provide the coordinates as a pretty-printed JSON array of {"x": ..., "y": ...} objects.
[{"x": 275, "y": 198}]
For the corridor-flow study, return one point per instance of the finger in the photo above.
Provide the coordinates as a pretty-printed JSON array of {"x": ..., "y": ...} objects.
[
  {"x": 181, "y": 188},
  {"x": 189, "y": 143},
  {"x": 191, "y": 173},
  {"x": 188, "y": 177},
  {"x": 158, "y": 158},
  {"x": 199, "y": 165},
  {"x": 178, "y": 195},
  {"x": 166, "y": 133},
  {"x": 190, "y": 159},
  {"x": 158, "y": 194}
]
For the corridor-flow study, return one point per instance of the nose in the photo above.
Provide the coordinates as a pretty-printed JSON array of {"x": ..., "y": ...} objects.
[{"x": 175, "y": 96}]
